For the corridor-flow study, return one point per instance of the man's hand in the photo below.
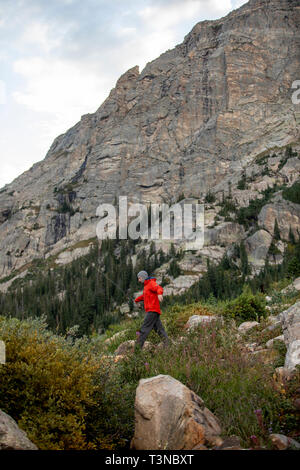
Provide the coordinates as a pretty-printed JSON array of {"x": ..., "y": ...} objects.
[{"x": 160, "y": 297}]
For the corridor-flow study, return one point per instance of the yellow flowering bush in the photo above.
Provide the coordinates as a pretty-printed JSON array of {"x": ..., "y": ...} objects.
[{"x": 46, "y": 385}]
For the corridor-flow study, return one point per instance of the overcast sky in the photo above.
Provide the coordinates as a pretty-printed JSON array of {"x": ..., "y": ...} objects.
[{"x": 59, "y": 59}]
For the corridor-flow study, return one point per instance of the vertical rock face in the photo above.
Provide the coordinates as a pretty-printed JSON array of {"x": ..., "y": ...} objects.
[{"x": 188, "y": 122}]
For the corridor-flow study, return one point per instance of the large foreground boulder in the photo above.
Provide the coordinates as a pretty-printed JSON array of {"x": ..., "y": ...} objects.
[
  {"x": 169, "y": 416},
  {"x": 11, "y": 436}
]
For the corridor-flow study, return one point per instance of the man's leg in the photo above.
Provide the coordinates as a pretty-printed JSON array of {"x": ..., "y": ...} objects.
[
  {"x": 149, "y": 322},
  {"x": 161, "y": 331}
]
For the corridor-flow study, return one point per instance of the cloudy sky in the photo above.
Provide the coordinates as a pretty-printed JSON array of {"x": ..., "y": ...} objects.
[{"x": 59, "y": 59}]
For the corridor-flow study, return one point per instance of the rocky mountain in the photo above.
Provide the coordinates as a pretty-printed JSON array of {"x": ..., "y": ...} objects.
[{"x": 193, "y": 121}]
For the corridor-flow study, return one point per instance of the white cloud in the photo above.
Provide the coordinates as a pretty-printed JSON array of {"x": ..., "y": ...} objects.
[
  {"x": 2, "y": 92},
  {"x": 238, "y": 3},
  {"x": 126, "y": 31},
  {"x": 39, "y": 34},
  {"x": 61, "y": 87},
  {"x": 162, "y": 24},
  {"x": 166, "y": 16}
]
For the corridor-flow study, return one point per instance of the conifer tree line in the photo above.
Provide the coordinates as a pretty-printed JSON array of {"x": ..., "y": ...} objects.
[
  {"x": 227, "y": 279},
  {"x": 87, "y": 291}
]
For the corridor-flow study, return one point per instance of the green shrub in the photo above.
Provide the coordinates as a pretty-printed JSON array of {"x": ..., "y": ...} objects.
[
  {"x": 247, "y": 306},
  {"x": 293, "y": 193},
  {"x": 174, "y": 269},
  {"x": 227, "y": 204},
  {"x": 242, "y": 184},
  {"x": 262, "y": 160},
  {"x": 210, "y": 197},
  {"x": 46, "y": 385},
  {"x": 288, "y": 154}
]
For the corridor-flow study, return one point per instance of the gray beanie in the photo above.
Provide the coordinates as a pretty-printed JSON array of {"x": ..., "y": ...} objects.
[{"x": 143, "y": 275}]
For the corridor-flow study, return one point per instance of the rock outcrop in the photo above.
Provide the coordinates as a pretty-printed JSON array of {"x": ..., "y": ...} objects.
[
  {"x": 169, "y": 416},
  {"x": 257, "y": 246},
  {"x": 290, "y": 320},
  {"x": 287, "y": 214},
  {"x": 282, "y": 442},
  {"x": 197, "y": 320},
  {"x": 247, "y": 325},
  {"x": 11, "y": 436},
  {"x": 190, "y": 121}
]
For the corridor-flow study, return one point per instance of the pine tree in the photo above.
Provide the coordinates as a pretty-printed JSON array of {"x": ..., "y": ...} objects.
[
  {"x": 172, "y": 251},
  {"x": 245, "y": 268},
  {"x": 276, "y": 231},
  {"x": 291, "y": 236}
]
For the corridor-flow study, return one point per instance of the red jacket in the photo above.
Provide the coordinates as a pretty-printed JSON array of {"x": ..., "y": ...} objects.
[{"x": 150, "y": 295}]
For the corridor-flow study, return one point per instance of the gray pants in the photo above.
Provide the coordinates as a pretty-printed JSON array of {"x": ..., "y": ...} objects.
[{"x": 152, "y": 320}]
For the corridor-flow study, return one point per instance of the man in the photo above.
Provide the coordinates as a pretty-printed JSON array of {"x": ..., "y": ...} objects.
[{"x": 151, "y": 296}]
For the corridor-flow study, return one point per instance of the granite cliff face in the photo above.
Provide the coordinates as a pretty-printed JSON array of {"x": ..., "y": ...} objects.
[{"x": 190, "y": 122}]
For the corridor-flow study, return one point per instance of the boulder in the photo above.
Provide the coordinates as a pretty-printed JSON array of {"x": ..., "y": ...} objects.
[
  {"x": 251, "y": 347},
  {"x": 283, "y": 374},
  {"x": 244, "y": 196},
  {"x": 257, "y": 247},
  {"x": 282, "y": 442},
  {"x": 272, "y": 327},
  {"x": 68, "y": 256},
  {"x": 290, "y": 320},
  {"x": 247, "y": 325},
  {"x": 287, "y": 214},
  {"x": 230, "y": 443},
  {"x": 11, "y": 436},
  {"x": 270, "y": 343},
  {"x": 294, "y": 285},
  {"x": 196, "y": 320},
  {"x": 128, "y": 347},
  {"x": 117, "y": 335},
  {"x": 180, "y": 284},
  {"x": 291, "y": 169},
  {"x": 225, "y": 233},
  {"x": 125, "y": 348},
  {"x": 273, "y": 322},
  {"x": 169, "y": 416},
  {"x": 192, "y": 264},
  {"x": 124, "y": 308},
  {"x": 292, "y": 358},
  {"x": 263, "y": 183}
]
